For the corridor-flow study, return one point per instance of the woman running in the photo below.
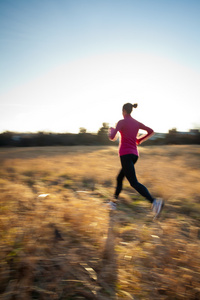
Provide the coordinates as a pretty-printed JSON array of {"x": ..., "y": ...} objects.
[{"x": 128, "y": 128}]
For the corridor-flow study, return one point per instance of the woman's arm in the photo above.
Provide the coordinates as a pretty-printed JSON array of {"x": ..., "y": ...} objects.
[
  {"x": 145, "y": 136},
  {"x": 113, "y": 131}
]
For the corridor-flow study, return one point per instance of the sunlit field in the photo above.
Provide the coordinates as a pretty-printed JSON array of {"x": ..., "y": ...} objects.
[{"x": 59, "y": 239}]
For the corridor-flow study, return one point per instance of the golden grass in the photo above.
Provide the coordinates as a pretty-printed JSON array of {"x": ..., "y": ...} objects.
[{"x": 66, "y": 244}]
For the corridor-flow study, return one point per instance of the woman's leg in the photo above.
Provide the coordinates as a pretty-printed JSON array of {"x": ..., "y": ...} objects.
[
  {"x": 128, "y": 162},
  {"x": 120, "y": 178}
]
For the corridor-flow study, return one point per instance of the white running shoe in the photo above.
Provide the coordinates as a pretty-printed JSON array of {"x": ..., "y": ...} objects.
[
  {"x": 157, "y": 207},
  {"x": 112, "y": 205}
]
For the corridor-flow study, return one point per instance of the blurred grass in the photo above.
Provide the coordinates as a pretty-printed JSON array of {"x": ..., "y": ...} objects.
[{"x": 66, "y": 244}]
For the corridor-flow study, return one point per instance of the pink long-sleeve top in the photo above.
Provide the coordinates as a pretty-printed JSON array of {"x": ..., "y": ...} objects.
[{"x": 128, "y": 128}]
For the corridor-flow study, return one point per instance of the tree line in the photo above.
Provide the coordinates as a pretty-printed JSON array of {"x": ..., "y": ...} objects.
[
  {"x": 41, "y": 138},
  {"x": 13, "y": 139}
]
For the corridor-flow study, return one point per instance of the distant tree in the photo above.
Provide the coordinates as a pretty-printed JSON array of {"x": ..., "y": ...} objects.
[
  {"x": 103, "y": 133},
  {"x": 6, "y": 138},
  {"x": 82, "y": 130},
  {"x": 104, "y": 129},
  {"x": 173, "y": 130}
]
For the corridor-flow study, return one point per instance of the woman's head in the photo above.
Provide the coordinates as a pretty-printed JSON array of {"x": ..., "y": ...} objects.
[{"x": 128, "y": 107}]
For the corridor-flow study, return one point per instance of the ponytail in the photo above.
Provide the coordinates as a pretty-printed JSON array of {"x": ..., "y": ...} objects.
[{"x": 128, "y": 107}]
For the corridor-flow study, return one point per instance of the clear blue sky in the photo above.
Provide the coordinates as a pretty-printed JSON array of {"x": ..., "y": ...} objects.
[{"x": 70, "y": 64}]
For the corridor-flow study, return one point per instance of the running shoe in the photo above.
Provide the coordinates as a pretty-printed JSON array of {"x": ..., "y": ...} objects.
[
  {"x": 112, "y": 205},
  {"x": 158, "y": 205}
]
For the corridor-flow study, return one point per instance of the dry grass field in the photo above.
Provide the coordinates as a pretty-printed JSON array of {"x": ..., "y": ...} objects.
[{"x": 60, "y": 241}]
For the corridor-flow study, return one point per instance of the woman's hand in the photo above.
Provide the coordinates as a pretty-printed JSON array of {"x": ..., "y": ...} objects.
[{"x": 112, "y": 134}]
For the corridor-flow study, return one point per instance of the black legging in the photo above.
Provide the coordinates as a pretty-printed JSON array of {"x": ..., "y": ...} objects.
[{"x": 128, "y": 170}]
